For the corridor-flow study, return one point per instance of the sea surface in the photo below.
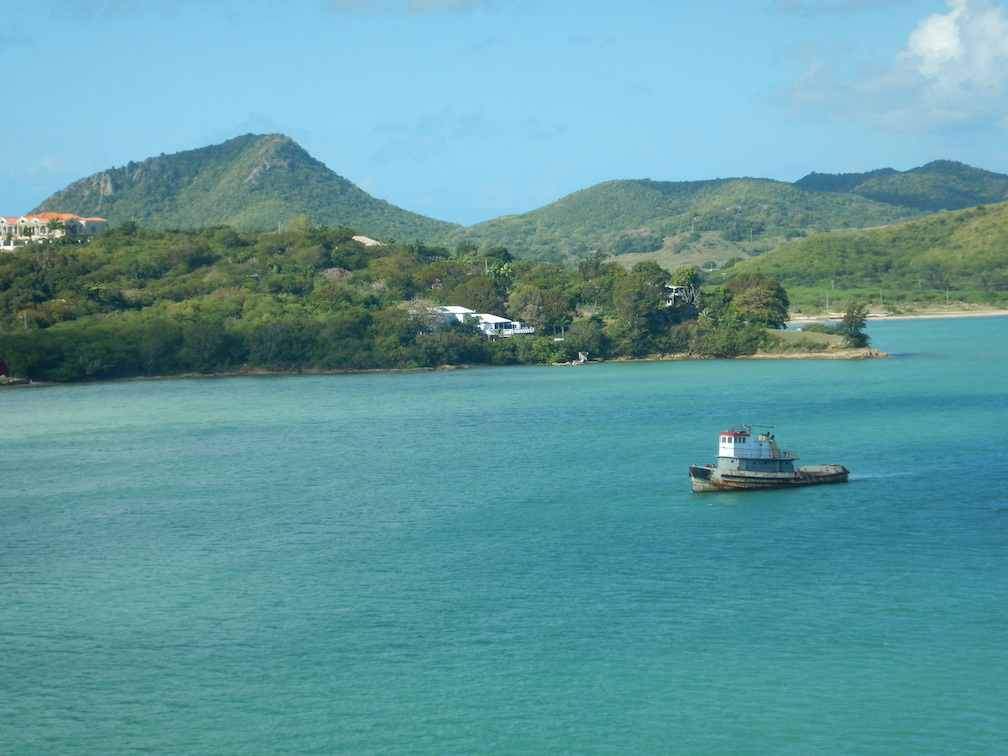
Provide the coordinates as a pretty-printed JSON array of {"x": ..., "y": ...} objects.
[{"x": 510, "y": 560}]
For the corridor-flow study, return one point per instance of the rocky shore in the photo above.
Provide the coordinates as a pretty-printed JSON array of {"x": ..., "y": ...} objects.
[{"x": 827, "y": 354}]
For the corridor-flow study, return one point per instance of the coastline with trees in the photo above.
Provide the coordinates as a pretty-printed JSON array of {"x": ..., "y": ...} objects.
[{"x": 136, "y": 302}]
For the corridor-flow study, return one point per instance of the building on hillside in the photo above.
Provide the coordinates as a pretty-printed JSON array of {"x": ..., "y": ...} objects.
[
  {"x": 453, "y": 312},
  {"x": 495, "y": 325},
  {"x": 16, "y": 231},
  {"x": 674, "y": 295},
  {"x": 489, "y": 325}
]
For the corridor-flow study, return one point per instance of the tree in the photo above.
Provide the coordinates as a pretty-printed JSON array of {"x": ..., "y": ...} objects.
[
  {"x": 758, "y": 299},
  {"x": 588, "y": 336},
  {"x": 500, "y": 254},
  {"x": 652, "y": 270},
  {"x": 852, "y": 325},
  {"x": 636, "y": 297},
  {"x": 481, "y": 293},
  {"x": 423, "y": 312},
  {"x": 542, "y": 308},
  {"x": 593, "y": 265},
  {"x": 599, "y": 272},
  {"x": 688, "y": 276},
  {"x": 298, "y": 224}
]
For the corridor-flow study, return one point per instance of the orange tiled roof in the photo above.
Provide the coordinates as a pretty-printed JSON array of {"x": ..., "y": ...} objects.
[{"x": 49, "y": 215}]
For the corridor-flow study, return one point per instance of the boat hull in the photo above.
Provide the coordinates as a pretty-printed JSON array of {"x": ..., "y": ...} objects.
[{"x": 710, "y": 478}]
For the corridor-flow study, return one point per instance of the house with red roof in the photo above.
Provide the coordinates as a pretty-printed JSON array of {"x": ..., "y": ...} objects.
[{"x": 16, "y": 231}]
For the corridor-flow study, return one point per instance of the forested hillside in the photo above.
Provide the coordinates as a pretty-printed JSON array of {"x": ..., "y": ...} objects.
[
  {"x": 135, "y": 301},
  {"x": 250, "y": 183}
]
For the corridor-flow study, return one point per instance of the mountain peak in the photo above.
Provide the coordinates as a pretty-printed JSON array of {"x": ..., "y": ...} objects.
[{"x": 253, "y": 182}]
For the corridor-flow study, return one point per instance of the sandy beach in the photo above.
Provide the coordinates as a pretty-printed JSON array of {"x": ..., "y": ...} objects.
[{"x": 937, "y": 312}]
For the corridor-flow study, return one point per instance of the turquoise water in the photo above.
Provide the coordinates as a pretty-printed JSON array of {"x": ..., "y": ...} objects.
[{"x": 511, "y": 561}]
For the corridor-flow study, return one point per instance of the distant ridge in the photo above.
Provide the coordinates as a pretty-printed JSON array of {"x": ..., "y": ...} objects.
[
  {"x": 702, "y": 222},
  {"x": 841, "y": 182},
  {"x": 257, "y": 182},
  {"x": 939, "y": 185},
  {"x": 251, "y": 182},
  {"x": 685, "y": 222}
]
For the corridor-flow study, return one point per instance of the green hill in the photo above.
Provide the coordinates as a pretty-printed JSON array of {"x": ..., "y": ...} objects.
[
  {"x": 940, "y": 185},
  {"x": 250, "y": 182},
  {"x": 259, "y": 182},
  {"x": 709, "y": 222},
  {"x": 962, "y": 251},
  {"x": 674, "y": 222}
]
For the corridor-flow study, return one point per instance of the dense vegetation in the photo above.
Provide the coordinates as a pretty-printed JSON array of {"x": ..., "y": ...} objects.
[
  {"x": 135, "y": 301},
  {"x": 250, "y": 182},
  {"x": 961, "y": 255}
]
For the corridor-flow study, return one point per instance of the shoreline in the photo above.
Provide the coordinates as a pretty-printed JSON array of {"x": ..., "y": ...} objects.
[
  {"x": 832, "y": 354},
  {"x": 862, "y": 353},
  {"x": 917, "y": 315},
  {"x": 829, "y": 354}
]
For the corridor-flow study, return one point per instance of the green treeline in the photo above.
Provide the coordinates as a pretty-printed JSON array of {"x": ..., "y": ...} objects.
[{"x": 135, "y": 301}]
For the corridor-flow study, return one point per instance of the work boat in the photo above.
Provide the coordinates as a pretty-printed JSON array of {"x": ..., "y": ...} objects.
[{"x": 747, "y": 463}]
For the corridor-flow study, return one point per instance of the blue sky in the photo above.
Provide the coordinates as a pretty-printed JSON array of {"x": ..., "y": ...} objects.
[{"x": 465, "y": 110}]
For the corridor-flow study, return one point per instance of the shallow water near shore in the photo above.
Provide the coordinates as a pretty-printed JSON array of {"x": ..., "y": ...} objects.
[{"x": 509, "y": 560}]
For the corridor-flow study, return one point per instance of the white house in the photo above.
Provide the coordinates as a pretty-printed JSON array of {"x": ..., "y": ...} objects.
[
  {"x": 495, "y": 325},
  {"x": 489, "y": 325},
  {"x": 16, "y": 231}
]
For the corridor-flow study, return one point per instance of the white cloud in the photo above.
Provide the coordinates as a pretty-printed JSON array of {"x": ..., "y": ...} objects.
[
  {"x": 953, "y": 70},
  {"x": 966, "y": 49}
]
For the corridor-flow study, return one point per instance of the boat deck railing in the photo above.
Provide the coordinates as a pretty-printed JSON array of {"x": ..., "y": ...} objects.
[{"x": 763, "y": 454}]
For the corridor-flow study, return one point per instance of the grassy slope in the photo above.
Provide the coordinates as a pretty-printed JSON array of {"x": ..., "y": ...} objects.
[{"x": 960, "y": 255}]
